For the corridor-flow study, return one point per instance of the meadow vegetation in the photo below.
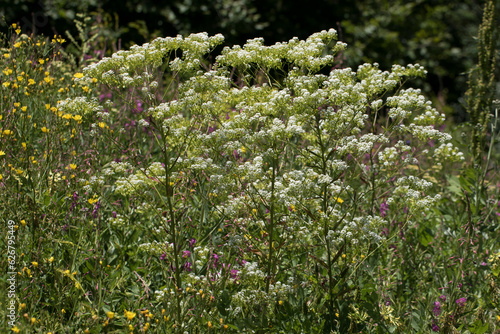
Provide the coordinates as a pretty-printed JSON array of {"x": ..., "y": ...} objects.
[{"x": 184, "y": 186}]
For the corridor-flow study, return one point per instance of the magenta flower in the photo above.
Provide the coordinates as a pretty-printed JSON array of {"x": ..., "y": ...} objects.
[
  {"x": 461, "y": 301},
  {"x": 437, "y": 308}
]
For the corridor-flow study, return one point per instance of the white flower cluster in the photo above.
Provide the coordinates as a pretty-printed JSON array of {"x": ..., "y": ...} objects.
[
  {"x": 308, "y": 54},
  {"x": 156, "y": 248},
  {"x": 122, "y": 68},
  {"x": 79, "y": 106}
]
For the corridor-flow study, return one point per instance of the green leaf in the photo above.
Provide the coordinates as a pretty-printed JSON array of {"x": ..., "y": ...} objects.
[
  {"x": 425, "y": 237},
  {"x": 478, "y": 327}
]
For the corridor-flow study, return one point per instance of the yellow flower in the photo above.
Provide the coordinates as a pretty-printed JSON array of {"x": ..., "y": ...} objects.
[
  {"x": 61, "y": 90},
  {"x": 280, "y": 302},
  {"x": 24, "y": 108},
  {"x": 63, "y": 311},
  {"x": 209, "y": 324},
  {"x": 102, "y": 125},
  {"x": 47, "y": 106},
  {"x": 72, "y": 166},
  {"x": 35, "y": 264},
  {"x": 339, "y": 200},
  {"x": 24, "y": 145},
  {"x": 78, "y": 75},
  {"x": 243, "y": 149},
  {"x": 18, "y": 44},
  {"x": 17, "y": 104},
  {"x": 1, "y": 177},
  {"x": 41, "y": 61},
  {"x": 45, "y": 130},
  {"x": 51, "y": 259},
  {"x": 31, "y": 82},
  {"x": 77, "y": 118},
  {"x": 18, "y": 31},
  {"x": 2, "y": 153},
  {"x": 20, "y": 78},
  {"x": 110, "y": 315},
  {"x": 14, "y": 25},
  {"x": 129, "y": 315},
  {"x": 33, "y": 321},
  {"x": 46, "y": 79},
  {"x": 6, "y": 55},
  {"x": 15, "y": 329},
  {"x": 6, "y": 84}
]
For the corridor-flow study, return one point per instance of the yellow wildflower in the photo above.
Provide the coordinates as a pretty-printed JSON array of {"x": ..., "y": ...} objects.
[
  {"x": 78, "y": 75},
  {"x": 129, "y": 315},
  {"x": 2, "y": 153},
  {"x": 110, "y": 315},
  {"x": 45, "y": 130}
]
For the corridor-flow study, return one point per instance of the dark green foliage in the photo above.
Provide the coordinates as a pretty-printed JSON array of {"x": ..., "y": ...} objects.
[{"x": 482, "y": 81}]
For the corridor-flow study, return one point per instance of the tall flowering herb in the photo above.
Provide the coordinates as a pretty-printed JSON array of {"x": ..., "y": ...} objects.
[{"x": 271, "y": 159}]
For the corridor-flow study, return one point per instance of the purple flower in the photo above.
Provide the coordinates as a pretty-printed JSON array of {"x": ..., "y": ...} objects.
[
  {"x": 443, "y": 298},
  {"x": 192, "y": 242},
  {"x": 435, "y": 328},
  {"x": 216, "y": 260},
  {"x": 186, "y": 253},
  {"x": 234, "y": 273},
  {"x": 187, "y": 266},
  {"x": 461, "y": 301},
  {"x": 383, "y": 209},
  {"x": 163, "y": 256},
  {"x": 437, "y": 308}
]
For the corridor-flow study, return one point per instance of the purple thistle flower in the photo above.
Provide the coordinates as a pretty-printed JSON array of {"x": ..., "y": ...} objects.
[{"x": 435, "y": 328}]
